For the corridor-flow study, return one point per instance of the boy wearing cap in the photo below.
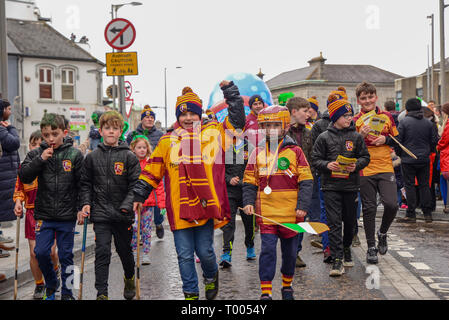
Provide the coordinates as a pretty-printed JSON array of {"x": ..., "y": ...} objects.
[
  {"x": 277, "y": 172},
  {"x": 313, "y": 112},
  {"x": 340, "y": 190},
  {"x": 378, "y": 176},
  {"x": 197, "y": 201}
]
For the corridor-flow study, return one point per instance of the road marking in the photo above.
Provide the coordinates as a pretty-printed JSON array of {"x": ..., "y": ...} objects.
[
  {"x": 420, "y": 266},
  {"x": 405, "y": 254}
]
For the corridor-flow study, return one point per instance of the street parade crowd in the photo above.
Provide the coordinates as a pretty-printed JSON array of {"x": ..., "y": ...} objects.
[{"x": 327, "y": 170}]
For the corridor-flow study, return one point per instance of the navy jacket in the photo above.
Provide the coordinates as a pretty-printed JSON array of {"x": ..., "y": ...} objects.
[{"x": 9, "y": 164}]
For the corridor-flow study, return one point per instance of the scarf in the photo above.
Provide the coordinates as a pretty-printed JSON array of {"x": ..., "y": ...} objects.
[{"x": 196, "y": 198}]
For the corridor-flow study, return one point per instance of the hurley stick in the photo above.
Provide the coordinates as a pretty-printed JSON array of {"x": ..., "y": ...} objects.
[
  {"x": 139, "y": 212},
  {"x": 404, "y": 148},
  {"x": 17, "y": 257},
  {"x": 83, "y": 252}
]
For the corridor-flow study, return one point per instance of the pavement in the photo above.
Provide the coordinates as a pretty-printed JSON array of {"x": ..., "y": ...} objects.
[{"x": 397, "y": 283}]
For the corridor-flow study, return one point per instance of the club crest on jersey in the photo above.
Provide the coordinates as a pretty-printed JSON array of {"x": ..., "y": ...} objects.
[
  {"x": 67, "y": 165},
  {"x": 118, "y": 168},
  {"x": 38, "y": 226},
  {"x": 349, "y": 145}
]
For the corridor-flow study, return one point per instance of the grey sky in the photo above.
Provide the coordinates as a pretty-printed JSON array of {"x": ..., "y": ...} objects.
[{"x": 213, "y": 38}]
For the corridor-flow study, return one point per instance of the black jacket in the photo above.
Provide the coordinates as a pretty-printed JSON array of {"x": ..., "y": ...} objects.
[
  {"x": 306, "y": 142},
  {"x": 153, "y": 135},
  {"x": 236, "y": 159},
  {"x": 58, "y": 181},
  {"x": 107, "y": 182},
  {"x": 320, "y": 126},
  {"x": 332, "y": 143},
  {"x": 417, "y": 134}
]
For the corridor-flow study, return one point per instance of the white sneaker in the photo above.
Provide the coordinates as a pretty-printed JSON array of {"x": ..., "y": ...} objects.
[{"x": 146, "y": 260}]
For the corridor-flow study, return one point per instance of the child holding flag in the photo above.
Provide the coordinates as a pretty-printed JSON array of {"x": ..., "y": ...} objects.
[
  {"x": 277, "y": 172},
  {"x": 340, "y": 185}
]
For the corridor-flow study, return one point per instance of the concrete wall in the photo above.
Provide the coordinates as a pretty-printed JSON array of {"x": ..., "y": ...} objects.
[{"x": 322, "y": 91}]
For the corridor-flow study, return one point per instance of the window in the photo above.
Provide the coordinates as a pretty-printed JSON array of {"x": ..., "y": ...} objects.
[
  {"x": 45, "y": 83},
  {"x": 420, "y": 92},
  {"x": 68, "y": 84},
  {"x": 399, "y": 98}
]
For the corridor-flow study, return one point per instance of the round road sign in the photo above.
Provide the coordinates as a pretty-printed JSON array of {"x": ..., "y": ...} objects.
[{"x": 120, "y": 34}]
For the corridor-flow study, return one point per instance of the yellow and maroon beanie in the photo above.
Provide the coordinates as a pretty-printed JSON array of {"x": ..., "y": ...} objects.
[
  {"x": 189, "y": 101},
  {"x": 313, "y": 103},
  {"x": 340, "y": 93},
  {"x": 338, "y": 107},
  {"x": 147, "y": 111}
]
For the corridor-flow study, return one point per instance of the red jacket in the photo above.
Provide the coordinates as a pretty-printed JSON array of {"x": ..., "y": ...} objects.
[
  {"x": 160, "y": 193},
  {"x": 443, "y": 147}
]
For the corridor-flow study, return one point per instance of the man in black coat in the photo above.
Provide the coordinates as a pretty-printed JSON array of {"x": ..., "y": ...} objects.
[
  {"x": 9, "y": 164},
  {"x": 420, "y": 136}
]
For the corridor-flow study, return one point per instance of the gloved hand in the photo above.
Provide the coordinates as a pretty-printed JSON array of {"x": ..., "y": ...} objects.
[{"x": 163, "y": 212}]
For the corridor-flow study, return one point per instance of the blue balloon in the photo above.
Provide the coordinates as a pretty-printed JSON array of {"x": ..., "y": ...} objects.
[{"x": 248, "y": 84}]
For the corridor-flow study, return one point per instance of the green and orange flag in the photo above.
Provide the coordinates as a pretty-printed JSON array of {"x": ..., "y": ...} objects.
[{"x": 307, "y": 227}]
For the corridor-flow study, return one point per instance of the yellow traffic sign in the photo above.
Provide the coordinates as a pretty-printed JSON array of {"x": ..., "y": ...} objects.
[{"x": 121, "y": 64}]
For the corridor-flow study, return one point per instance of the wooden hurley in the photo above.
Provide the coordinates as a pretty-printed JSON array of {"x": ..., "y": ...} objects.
[
  {"x": 404, "y": 148},
  {"x": 138, "y": 254},
  {"x": 17, "y": 258}
]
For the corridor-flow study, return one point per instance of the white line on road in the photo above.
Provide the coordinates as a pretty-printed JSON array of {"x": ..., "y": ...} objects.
[
  {"x": 420, "y": 266},
  {"x": 405, "y": 254}
]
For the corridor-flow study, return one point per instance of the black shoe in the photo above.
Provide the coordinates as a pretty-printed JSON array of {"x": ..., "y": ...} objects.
[
  {"x": 266, "y": 296},
  {"x": 39, "y": 292},
  {"x": 160, "y": 231},
  {"x": 102, "y": 297},
  {"x": 327, "y": 256},
  {"x": 67, "y": 297},
  {"x": 191, "y": 296},
  {"x": 347, "y": 260},
  {"x": 428, "y": 218},
  {"x": 406, "y": 220},
  {"x": 337, "y": 268},
  {"x": 382, "y": 245},
  {"x": 287, "y": 293},
  {"x": 211, "y": 287},
  {"x": 129, "y": 291},
  {"x": 371, "y": 256}
]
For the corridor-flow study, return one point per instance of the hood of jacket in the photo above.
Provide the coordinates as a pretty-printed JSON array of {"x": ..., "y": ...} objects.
[
  {"x": 121, "y": 145},
  {"x": 418, "y": 114}
]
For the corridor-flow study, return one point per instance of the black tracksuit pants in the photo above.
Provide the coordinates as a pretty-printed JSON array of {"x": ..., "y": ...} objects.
[
  {"x": 122, "y": 233},
  {"x": 228, "y": 230},
  {"x": 341, "y": 207},
  {"x": 421, "y": 172}
]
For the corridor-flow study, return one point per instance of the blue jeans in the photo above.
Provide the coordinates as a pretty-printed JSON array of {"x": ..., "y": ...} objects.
[
  {"x": 158, "y": 218},
  {"x": 201, "y": 241},
  {"x": 45, "y": 238}
]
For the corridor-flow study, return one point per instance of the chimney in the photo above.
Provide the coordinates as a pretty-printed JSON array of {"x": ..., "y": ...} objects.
[{"x": 318, "y": 62}]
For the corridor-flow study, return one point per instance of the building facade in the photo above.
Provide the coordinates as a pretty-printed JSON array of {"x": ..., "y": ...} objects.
[{"x": 319, "y": 79}]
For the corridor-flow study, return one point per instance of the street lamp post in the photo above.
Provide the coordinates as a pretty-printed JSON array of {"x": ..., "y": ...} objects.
[
  {"x": 165, "y": 93},
  {"x": 430, "y": 89},
  {"x": 121, "y": 79}
]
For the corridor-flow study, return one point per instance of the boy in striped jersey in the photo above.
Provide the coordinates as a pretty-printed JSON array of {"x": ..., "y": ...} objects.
[{"x": 277, "y": 172}]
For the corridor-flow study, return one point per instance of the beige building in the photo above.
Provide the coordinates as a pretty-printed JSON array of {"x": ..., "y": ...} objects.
[
  {"x": 319, "y": 79},
  {"x": 411, "y": 87}
]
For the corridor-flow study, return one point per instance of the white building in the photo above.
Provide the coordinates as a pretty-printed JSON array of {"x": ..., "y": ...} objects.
[{"x": 48, "y": 73}]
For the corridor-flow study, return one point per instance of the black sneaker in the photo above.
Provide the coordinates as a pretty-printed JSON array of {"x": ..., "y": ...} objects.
[
  {"x": 327, "y": 257},
  {"x": 371, "y": 256},
  {"x": 211, "y": 287},
  {"x": 160, "y": 231},
  {"x": 347, "y": 260},
  {"x": 39, "y": 292},
  {"x": 102, "y": 297},
  {"x": 266, "y": 296},
  {"x": 129, "y": 291},
  {"x": 428, "y": 218},
  {"x": 337, "y": 268},
  {"x": 287, "y": 293},
  {"x": 382, "y": 245},
  {"x": 67, "y": 297},
  {"x": 191, "y": 296}
]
